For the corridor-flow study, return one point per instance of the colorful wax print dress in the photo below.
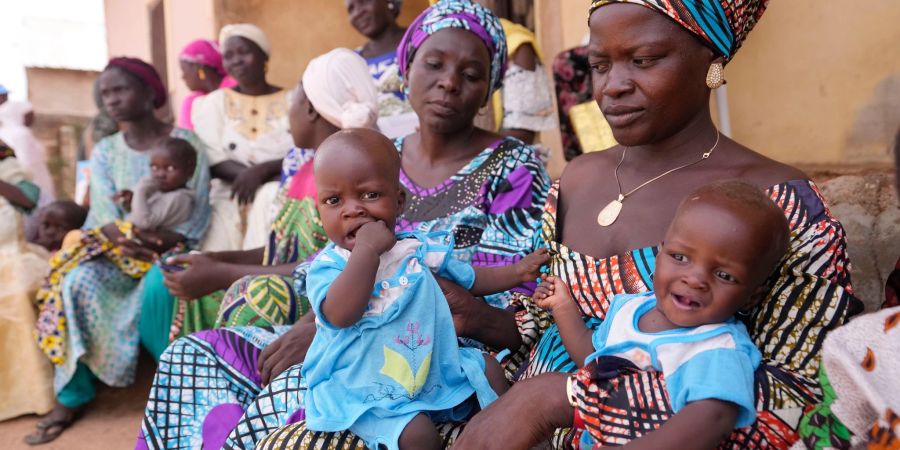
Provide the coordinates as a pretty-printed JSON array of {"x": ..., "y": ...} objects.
[
  {"x": 810, "y": 296},
  {"x": 402, "y": 357},
  {"x": 713, "y": 361}
]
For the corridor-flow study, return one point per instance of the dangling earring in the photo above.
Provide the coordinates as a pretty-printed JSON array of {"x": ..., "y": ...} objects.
[
  {"x": 201, "y": 74},
  {"x": 714, "y": 78}
]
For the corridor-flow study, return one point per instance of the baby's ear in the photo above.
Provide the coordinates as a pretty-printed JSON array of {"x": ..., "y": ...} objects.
[{"x": 401, "y": 202}]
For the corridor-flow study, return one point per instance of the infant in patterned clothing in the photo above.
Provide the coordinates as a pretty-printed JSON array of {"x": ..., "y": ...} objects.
[
  {"x": 723, "y": 244},
  {"x": 385, "y": 362}
]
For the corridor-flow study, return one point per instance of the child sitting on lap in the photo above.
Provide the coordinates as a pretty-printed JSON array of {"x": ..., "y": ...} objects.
[
  {"x": 162, "y": 200},
  {"x": 385, "y": 362},
  {"x": 724, "y": 242}
]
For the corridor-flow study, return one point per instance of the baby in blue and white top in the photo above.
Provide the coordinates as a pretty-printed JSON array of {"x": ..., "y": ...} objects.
[
  {"x": 723, "y": 244},
  {"x": 385, "y": 362}
]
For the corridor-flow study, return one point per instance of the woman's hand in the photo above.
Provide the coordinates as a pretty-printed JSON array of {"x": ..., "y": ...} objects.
[
  {"x": 539, "y": 406},
  {"x": 203, "y": 275},
  {"x": 475, "y": 319},
  {"x": 250, "y": 179},
  {"x": 130, "y": 247},
  {"x": 288, "y": 350},
  {"x": 159, "y": 241}
]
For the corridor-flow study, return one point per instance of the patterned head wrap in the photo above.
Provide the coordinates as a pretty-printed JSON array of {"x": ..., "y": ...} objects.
[
  {"x": 721, "y": 24},
  {"x": 247, "y": 31},
  {"x": 456, "y": 14},
  {"x": 203, "y": 52},
  {"x": 145, "y": 73}
]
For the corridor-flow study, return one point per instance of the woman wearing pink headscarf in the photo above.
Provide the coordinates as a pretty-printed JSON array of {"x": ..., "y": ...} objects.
[{"x": 202, "y": 72}]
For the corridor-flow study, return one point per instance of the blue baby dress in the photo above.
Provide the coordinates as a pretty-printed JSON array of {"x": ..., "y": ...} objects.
[{"x": 402, "y": 357}]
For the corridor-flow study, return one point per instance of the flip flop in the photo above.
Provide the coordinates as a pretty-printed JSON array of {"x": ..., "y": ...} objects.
[{"x": 48, "y": 430}]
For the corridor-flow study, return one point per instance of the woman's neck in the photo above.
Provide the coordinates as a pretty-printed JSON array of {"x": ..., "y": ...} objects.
[
  {"x": 437, "y": 147},
  {"x": 385, "y": 42},
  {"x": 322, "y": 129},
  {"x": 212, "y": 82},
  {"x": 256, "y": 88},
  {"x": 694, "y": 139},
  {"x": 142, "y": 133}
]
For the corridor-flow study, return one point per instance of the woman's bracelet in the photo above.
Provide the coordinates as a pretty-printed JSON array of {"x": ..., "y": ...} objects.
[{"x": 570, "y": 391}]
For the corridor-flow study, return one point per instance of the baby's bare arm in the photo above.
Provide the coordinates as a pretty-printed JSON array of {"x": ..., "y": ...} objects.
[
  {"x": 553, "y": 295},
  {"x": 492, "y": 280}
]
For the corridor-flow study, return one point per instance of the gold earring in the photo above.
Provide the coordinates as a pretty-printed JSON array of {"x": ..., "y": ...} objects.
[
  {"x": 201, "y": 74},
  {"x": 714, "y": 78}
]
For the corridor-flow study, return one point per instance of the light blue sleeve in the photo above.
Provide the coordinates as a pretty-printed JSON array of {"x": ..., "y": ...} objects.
[
  {"x": 722, "y": 374},
  {"x": 436, "y": 252},
  {"x": 322, "y": 273}
]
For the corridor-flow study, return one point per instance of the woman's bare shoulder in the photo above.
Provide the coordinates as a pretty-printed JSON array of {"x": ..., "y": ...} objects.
[
  {"x": 764, "y": 171},
  {"x": 585, "y": 167}
]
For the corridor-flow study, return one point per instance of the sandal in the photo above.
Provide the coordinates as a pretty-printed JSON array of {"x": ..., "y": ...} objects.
[{"x": 48, "y": 430}]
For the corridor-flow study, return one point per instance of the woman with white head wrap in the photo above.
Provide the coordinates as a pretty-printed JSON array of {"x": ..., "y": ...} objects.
[
  {"x": 245, "y": 128},
  {"x": 340, "y": 88}
]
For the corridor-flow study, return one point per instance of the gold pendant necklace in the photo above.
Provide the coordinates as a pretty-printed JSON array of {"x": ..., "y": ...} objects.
[{"x": 611, "y": 211}]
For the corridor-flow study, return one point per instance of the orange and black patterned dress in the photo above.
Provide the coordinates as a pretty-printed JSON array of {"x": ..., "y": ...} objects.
[{"x": 810, "y": 296}]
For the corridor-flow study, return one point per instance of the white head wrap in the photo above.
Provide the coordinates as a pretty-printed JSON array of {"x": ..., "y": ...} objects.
[
  {"x": 339, "y": 86},
  {"x": 246, "y": 31}
]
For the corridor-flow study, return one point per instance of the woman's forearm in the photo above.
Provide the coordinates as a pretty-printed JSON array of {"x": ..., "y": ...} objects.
[
  {"x": 237, "y": 271},
  {"x": 226, "y": 170},
  {"x": 249, "y": 257},
  {"x": 494, "y": 327},
  {"x": 15, "y": 196}
]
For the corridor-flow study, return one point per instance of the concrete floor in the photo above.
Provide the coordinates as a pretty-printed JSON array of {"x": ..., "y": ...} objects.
[{"x": 112, "y": 421}]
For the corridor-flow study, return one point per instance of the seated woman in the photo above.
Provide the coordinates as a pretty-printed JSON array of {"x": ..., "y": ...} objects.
[
  {"x": 377, "y": 21},
  {"x": 22, "y": 267},
  {"x": 202, "y": 72},
  {"x": 90, "y": 303},
  {"x": 653, "y": 73},
  {"x": 252, "y": 287},
  {"x": 246, "y": 130},
  {"x": 485, "y": 189}
]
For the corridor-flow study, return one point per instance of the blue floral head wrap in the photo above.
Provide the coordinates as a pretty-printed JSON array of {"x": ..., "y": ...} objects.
[{"x": 456, "y": 14}]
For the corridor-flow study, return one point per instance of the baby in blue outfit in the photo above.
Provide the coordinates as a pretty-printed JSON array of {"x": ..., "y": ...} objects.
[
  {"x": 724, "y": 242},
  {"x": 385, "y": 362}
]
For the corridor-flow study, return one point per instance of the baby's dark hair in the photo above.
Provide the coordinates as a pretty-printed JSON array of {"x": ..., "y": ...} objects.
[
  {"x": 181, "y": 151},
  {"x": 770, "y": 218},
  {"x": 74, "y": 214}
]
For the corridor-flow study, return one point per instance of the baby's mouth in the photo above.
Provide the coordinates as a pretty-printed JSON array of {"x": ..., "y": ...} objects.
[{"x": 685, "y": 302}]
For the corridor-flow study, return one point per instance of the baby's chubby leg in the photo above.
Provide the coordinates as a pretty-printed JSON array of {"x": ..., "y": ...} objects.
[
  {"x": 420, "y": 433},
  {"x": 496, "y": 377}
]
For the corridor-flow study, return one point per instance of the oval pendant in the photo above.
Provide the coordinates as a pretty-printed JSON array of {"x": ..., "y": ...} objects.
[{"x": 609, "y": 213}]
